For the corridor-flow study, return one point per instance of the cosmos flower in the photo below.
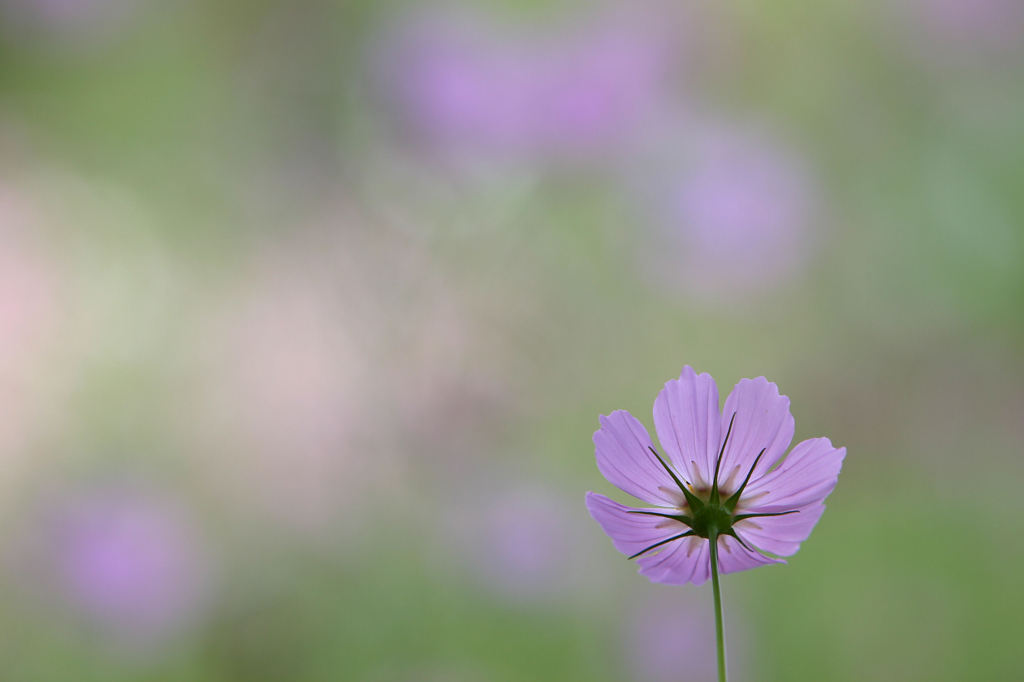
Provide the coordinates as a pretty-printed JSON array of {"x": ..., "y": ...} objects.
[{"x": 725, "y": 477}]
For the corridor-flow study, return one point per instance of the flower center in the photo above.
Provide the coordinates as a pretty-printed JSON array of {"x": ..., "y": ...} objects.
[
  {"x": 707, "y": 511},
  {"x": 711, "y": 515}
]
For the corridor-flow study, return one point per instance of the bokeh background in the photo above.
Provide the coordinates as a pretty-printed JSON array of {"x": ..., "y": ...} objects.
[{"x": 308, "y": 310}]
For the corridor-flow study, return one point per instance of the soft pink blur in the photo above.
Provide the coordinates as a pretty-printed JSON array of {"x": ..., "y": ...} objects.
[
  {"x": 280, "y": 371},
  {"x": 32, "y": 310},
  {"x": 731, "y": 213}
]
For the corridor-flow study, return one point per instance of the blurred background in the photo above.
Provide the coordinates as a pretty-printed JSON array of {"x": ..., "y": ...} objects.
[{"x": 308, "y": 311}]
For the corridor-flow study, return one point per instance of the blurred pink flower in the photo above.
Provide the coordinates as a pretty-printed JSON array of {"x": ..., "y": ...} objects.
[
  {"x": 668, "y": 634},
  {"x": 467, "y": 85},
  {"x": 519, "y": 542},
  {"x": 731, "y": 214},
  {"x": 720, "y": 479},
  {"x": 129, "y": 561}
]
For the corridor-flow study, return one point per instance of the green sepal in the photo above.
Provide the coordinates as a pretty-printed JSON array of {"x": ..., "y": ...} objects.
[
  {"x": 682, "y": 518},
  {"x": 734, "y": 499},
  {"x": 659, "y": 544},
  {"x": 695, "y": 502},
  {"x": 732, "y": 533},
  {"x": 713, "y": 497},
  {"x": 740, "y": 517}
]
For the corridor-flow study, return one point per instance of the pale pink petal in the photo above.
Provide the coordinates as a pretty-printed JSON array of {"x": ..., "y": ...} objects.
[
  {"x": 702, "y": 571},
  {"x": 630, "y": 533},
  {"x": 733, "y": 557},
  {"x": 682, "y": 561},
  {"x": 780, "y": 535},
  {"x": 762, "y": 421},
  {"x": 805, "y": 478},
  {"x": 687, "y": 421},
  {"x": 624, "y": 457}
]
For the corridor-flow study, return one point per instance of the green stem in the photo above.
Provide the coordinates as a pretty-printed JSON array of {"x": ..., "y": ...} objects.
[{"x": 719, "y": 634}]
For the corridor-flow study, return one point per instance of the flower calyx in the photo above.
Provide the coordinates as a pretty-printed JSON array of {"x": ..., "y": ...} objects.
[{"x": 706, "y": 514}]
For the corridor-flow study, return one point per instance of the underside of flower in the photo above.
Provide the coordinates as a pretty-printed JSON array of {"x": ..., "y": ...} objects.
[
  {"x": 708, "y": 512},
  {"x": 725, "y": 483}
]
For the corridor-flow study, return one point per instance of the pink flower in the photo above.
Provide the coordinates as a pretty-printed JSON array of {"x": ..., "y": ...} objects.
[
  {"x": 129, "y": 561},
  {"x": 467, "y": 84},
  {"x": 725, "y": 477},
  {"x": 732, "y": 213}
]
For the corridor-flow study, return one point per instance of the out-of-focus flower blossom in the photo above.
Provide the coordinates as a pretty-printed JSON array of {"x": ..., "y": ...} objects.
[
  {"x": 664, "y": 636},
  {"x": 468, "y": 86},
  {"x": 730, "y": 214},
  {"x": 129, "y": 561},
  {"x": 719, "y": 480},
  {"x": 519, "y": 542}
]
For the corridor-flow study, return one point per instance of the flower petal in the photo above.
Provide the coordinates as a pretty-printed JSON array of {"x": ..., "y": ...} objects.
[
  {"x": 689, "y": 561},
  {"x": 624, "y": 457},
  {"x": 687, "y": 421},
  {"x": 805, "y": 478},
  {"x": 683, "y": 561},
  {"x": 762, "y": 421},
  {"x": 733, "y": 557},
  {"x": 630, "y": 533},
  {"x": 780, "y": 535}
]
